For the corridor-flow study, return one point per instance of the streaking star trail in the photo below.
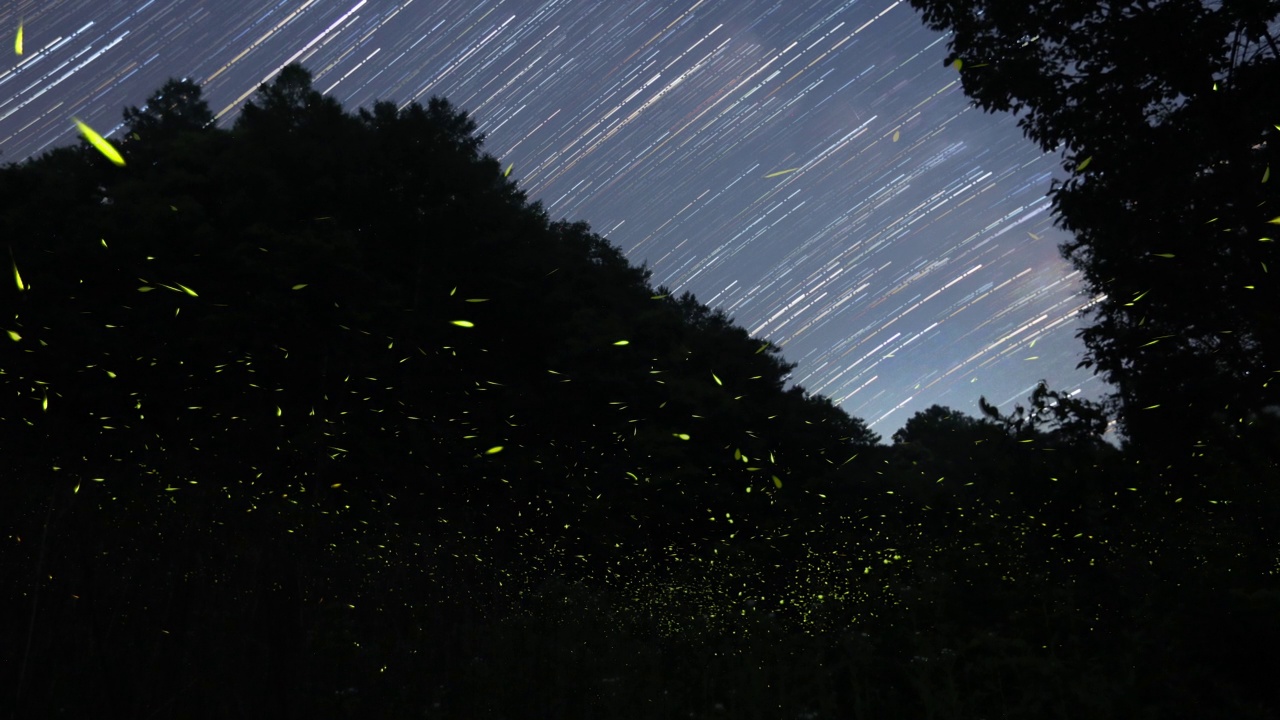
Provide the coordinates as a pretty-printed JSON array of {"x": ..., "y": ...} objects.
[{"x": 811, "y": 168}]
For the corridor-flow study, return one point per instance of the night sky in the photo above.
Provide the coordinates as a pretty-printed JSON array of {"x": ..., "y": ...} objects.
[{"x": 809, "y": 167}]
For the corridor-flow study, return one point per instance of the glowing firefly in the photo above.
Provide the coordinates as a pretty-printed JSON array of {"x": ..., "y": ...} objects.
[{"x": 99, "y": 142}]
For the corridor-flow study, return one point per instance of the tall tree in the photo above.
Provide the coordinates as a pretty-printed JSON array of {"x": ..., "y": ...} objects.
[
  {"x": 175, "y": 107},
  {"x": 1165, "y": 114}
]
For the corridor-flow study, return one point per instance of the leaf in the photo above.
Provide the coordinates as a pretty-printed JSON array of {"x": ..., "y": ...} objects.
[
  {"x": 99, "y": 142},
  {"x": 1266, "y": 174},
  {"x": 17, "y": 43},
  {"x": 895, "y": 136},
  {"x": 463, "y": 323},
  {"x": 1084, "y": 163}
]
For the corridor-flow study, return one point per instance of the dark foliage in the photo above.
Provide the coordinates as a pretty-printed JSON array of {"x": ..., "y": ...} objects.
[
  {"x": 317, "y": 416},
  {"x": 1165, "y": 112}
]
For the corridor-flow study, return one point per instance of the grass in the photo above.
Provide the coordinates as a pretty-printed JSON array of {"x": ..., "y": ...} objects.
[
  {"x": 573, "y": 656},
  {"x": 576, "y": 651}
]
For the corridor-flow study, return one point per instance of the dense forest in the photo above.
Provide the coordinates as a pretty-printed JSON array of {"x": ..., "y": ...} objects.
[{"x": 319, "y": 416}]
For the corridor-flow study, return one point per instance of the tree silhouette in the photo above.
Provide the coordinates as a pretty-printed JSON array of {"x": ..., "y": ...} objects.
[
  {"x": 1169, "y": 154},
  {"x": 319, "y": 401},
  {"x": 1052, "y": 417},
  {"x": 176, "y": 107},
  {"x": 932, "y": 424}
]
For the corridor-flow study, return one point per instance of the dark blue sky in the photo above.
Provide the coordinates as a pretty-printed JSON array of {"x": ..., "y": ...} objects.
[{"x": 809, "y": 167}]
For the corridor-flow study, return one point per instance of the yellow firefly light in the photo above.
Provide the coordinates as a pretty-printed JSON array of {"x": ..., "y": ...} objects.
[{"x": 99, "y": 142}]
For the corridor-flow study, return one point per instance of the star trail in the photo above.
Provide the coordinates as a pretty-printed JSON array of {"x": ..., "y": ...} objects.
[{"x": 809, "y": 167}]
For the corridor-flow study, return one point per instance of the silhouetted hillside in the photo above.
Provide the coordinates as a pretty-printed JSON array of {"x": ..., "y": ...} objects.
[{"x": 306, "y": 415}]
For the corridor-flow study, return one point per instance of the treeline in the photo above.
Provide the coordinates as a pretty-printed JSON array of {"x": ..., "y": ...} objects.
[{"x": 302, "y": 410}]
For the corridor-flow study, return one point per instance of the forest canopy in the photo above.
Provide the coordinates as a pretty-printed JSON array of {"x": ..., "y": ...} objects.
[{"x": 286, "y": 394}]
